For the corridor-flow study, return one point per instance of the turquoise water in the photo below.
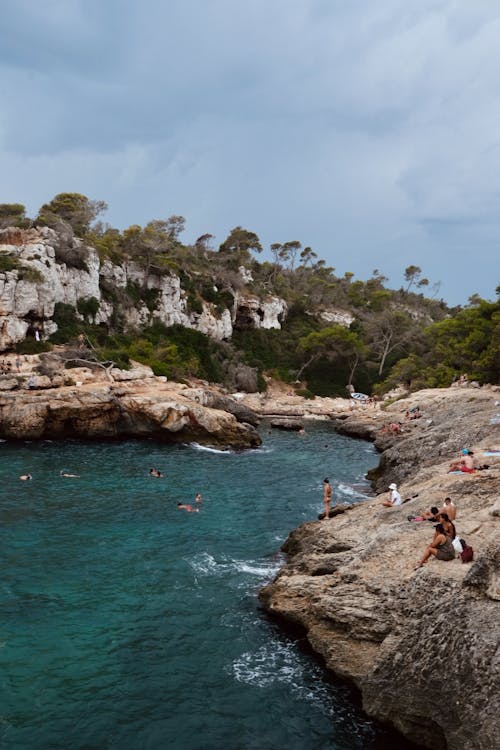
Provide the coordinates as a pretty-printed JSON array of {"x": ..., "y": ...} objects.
[{"x": 129, "y": 624}]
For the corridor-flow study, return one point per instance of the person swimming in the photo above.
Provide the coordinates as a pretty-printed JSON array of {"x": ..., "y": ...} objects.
[
  {"x": 187, "y": 507},
  {"x": 25, "y": 477},
  {"x": 63, "y": 473},
  {"x": 156, "y": 473}
]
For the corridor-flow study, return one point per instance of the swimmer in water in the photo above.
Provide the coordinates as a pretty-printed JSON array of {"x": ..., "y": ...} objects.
[
  {"x": 198, "y": 497},
  {"x": 66, "y": 474},
  {"x": 188, "y": 508},
  {"x": 156, "y": 473},
  {"x": 25, "y": 477}
]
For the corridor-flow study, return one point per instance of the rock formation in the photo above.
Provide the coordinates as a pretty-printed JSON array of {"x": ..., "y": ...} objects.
[
  {"x": 421, "y": 645},
  {"x": 52, "y": 268},
  {"x": 93, "y": 404}
]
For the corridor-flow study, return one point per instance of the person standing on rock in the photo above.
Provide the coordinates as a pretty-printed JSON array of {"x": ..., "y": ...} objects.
[
  {"x": 394, "y": 498},
  {"x": 327, "y": 496}
]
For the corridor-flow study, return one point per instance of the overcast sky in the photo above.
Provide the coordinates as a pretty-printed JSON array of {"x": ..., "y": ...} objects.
[{"x": 367, "y": 129}]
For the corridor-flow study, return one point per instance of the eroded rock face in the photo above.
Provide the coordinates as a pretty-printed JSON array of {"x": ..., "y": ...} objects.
[
  {"x": 421, "y": 644},
  {"x": 132, "y": 408},
  {"x": 62, "y": 269}
]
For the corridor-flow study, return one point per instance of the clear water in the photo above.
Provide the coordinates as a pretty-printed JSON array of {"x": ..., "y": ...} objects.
[{"x": 129, "y": 624}]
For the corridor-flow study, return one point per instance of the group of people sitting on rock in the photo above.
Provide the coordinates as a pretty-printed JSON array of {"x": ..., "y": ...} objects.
[{"x": 445, "y": 543}]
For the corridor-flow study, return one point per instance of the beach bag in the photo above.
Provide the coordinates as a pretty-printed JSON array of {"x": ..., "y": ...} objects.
[
  {"x": 467, "y": 554},
  {"x": 457, "y": 545}
]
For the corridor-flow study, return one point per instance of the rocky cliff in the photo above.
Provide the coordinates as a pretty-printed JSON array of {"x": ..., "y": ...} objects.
[
  {"x": 49, "y": 268},
  {"x": 421, "y": 645},
  {"x": 94, "y": 404}
]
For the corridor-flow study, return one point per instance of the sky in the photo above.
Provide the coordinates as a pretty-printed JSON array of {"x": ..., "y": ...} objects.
[{"x": 365, "y": 129}]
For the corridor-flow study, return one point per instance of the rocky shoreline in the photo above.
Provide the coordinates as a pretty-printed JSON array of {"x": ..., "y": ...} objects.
[
  {"x": 421, "y": 645},
  {"x": 43, "y": 400}
]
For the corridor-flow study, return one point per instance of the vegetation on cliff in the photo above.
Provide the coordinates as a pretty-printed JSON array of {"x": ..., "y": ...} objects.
[{"x": 336, "y": 330}]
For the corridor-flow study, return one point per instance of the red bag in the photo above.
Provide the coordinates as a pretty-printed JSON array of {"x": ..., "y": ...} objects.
[{"x": 467, "y": 553}]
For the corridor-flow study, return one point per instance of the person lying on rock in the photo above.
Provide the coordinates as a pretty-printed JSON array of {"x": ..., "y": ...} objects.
[
  {"x": 428, "y": 515},
  {"x": 449, "y": 508},
  {"x": 394, "y": 497},
  {"x": 441, "y": 547},
  {"x": 465, "y": 463}
]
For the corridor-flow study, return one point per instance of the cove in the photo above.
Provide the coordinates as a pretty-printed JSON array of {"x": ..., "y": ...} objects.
[{"x": 126, "y": 623}]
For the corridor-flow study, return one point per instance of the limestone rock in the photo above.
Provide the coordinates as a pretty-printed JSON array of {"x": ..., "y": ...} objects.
[{"x": 421, "y": 645}]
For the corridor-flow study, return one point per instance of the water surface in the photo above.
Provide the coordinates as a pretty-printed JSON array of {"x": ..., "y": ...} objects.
[{"x": 128, "y": 624}]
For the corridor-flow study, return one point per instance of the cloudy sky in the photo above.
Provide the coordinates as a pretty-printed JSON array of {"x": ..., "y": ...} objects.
[{"x": 367, "y": 129}]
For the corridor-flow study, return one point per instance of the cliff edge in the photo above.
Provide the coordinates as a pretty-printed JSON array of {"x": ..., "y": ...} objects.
[{"x": 421, "y": 645}]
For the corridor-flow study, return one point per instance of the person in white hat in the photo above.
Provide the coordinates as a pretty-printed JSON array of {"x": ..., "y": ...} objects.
[{"x": 394, "y": 498}]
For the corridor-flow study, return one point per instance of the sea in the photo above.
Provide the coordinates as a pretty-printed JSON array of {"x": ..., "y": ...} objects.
[{"x": 129, "y": 624}]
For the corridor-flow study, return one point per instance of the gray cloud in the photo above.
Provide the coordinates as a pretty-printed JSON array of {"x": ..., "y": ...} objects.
[{"x": 367, "y": 130}]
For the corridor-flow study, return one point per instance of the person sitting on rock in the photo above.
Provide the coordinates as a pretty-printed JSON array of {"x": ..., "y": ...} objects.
[
  {"x": 394, "y": 497},
  {"x": 449, "y": 508},
  {"x": 448, "y": 526},
  {"x": 465, "y": 463},
  {"x": 440, "y": 547}
]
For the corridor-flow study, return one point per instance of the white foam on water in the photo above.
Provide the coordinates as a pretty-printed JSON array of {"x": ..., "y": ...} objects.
[
  {"x": 271, "y": 663},
  {"x": 204, "y": 564},
  {"x": 345, "y": 489},
  {"x": 262, "y": 571},
  {"x": 198, "y": 447}
]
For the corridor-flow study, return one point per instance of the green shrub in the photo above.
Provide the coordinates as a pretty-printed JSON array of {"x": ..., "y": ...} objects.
[
  {"x": 68, "y": 323},
  {"x": 88, "y": 307},
  {"x": 32, "y": 275},
  {"x": 32, "y": 346},
  {"x": 8, "y": 262}
]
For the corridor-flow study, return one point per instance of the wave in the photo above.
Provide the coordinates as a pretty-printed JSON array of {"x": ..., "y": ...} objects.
[
  {"x": 271, "y": 663},
  {"x": 206, "y": 565},
  {"x": 350, "y": 491},
  {"x": 199, "y": 447}
]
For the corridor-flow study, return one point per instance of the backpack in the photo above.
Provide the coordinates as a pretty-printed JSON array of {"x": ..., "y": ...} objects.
[{"x": 467, "y": 554}]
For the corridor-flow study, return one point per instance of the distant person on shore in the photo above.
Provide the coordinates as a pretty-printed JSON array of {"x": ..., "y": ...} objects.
[
  {"x": 465, "y": 463},
  {"x": 187, "y": 507},
  {"x": 25, "y": 477},
  {"x": 63, "y": 473},
  {"x": 449, "y": 509},
  {"x": 394, "y": 497},
  {"x": 198, "y": 498},
  {"x": 327, "y": 496},
  {"x": 441, "y": 547},
  {"x": 156, "y": 473}
]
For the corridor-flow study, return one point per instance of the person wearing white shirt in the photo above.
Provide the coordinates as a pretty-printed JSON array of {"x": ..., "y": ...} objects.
[{"x": 394, "y": 497}]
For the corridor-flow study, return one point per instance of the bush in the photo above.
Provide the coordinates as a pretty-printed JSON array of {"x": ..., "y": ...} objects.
[
  {"x": 32, "y": 346},
  {"x": 88, "y": 307},
  {"x": 8, "y": 262}
]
